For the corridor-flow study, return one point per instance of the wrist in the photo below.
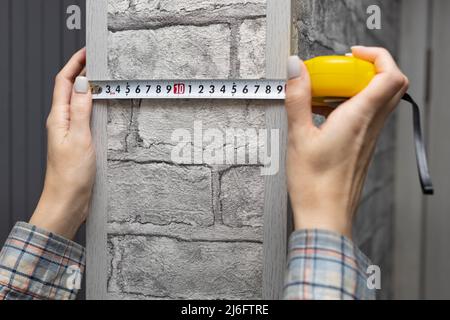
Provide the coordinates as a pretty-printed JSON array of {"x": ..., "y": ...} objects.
[
  {"x": 329, "y": 218},
  {"x": 303, "y": 222},
  {"x": 61, "y": 211}
]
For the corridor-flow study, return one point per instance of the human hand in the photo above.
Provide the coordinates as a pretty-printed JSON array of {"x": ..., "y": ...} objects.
[
  {"x": 69, "y": 179},
  {"x": 327, "y": 166}
]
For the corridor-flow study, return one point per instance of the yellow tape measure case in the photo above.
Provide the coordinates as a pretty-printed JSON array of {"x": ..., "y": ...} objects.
[{"x": 339, "y": 76}]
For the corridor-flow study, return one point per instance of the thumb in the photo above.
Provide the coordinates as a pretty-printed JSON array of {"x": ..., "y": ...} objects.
[
  {"x": 298, "y": 94},
  {"x": 81, "y": 106}
]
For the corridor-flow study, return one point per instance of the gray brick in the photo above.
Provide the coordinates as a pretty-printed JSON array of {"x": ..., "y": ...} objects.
[
  {"x": 119, "y": 119},
  {"x": 156, "y": 121},
  {"x": 168, "y": 268},
  {"x": 242, "y": 197},
  {"x": 159, "y": 194},
  {"x": 177, "y": 52},
  {"x": 252, "y": 49},
  {"x": 125, "y": 14}
]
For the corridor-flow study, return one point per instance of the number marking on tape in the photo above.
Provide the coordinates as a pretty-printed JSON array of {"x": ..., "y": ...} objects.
[{"x": 190, "y": 89}]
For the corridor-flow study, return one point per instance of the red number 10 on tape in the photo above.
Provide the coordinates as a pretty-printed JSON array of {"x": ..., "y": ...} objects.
[{"x": 179, "y": 88}]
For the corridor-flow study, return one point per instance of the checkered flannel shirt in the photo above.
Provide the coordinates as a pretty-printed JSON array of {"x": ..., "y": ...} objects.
[
  {"x": 325, "y": 266},
  {"x": 36, "y": 264}
]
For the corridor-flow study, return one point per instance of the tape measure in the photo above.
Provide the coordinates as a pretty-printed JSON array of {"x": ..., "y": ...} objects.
[
  {"x": 334, "y": 79},
  {"x": 190, "y": 89}
]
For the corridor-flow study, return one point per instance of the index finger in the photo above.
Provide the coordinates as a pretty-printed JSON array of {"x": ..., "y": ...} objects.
[
  {"x": 66, "y": 77},
  {"x": 380, "y": 57},
  {"x": 388, "y": 82}
]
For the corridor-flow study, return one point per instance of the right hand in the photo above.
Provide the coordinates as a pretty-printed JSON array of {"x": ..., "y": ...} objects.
[{"x": 327, "y": 166}]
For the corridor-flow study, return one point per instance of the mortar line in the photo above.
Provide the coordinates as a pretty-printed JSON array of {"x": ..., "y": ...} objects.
[
  {"x": 115, "y": 234},
  {"x": 190, "y": 23}
]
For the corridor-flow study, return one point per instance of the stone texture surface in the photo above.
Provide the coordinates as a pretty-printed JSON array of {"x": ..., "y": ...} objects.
[
  {"x": 252, "y": 37},
  {"x": 170, "y": 53},
  {"x": 145, "y": 14},
  {"x": 182, "y": 231},
  {"x": 195, "y": 230},
  {"x": 144, "y": 131},
  {"x": 242, "y": 197},
  {"x": 165, "y": 267},
  {"x": 333, "y": 26},
  {"x": 119, "y": 120},
  {"x": 159, "y": 193}
]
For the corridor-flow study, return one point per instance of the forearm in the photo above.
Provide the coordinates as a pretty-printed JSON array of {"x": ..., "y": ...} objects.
[
  {"x": 38, "y": 261},
  {"x": 323, "y": 265},
  {"x": 38, "y": 265}
]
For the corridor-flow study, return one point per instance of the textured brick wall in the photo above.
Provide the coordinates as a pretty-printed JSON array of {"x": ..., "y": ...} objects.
[
  {"x": 183, "y": 231},
  {"x": 327, "y": 26},
  {"x": 195, "y": 231}
]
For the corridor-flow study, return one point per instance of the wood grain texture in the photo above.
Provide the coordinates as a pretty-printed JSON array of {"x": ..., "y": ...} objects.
[
  {"x": 275, "y": 208},
  {"x": 96, "y": 260},
  {"x": 436, "y": 281},
  {"x": 408, "y": 194}
]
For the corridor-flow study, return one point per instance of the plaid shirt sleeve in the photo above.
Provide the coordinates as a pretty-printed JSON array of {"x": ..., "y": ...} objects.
[
  {"x": 38, "y": 265},
  {"x": 325, "y": 266}
]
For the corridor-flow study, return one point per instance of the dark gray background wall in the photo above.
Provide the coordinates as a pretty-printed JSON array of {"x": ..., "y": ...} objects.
[{"x": 35, "y": 45}]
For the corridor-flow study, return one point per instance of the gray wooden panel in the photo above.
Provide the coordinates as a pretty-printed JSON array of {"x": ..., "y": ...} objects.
[
  {"x": 437, "y": 256},
  {"x": 5, "y": 204},
  {"x": 96, "y": 263},
  {"x": 408, "y": 195},
  {"x": 35, "y": 130},
  {"x": 275, "y": 207},
  {"x": 52, "y": 58},
  {"x": 18, "y": 110},
  {"x": 69, "y": 43},
  {"x": 81, "y": 35}
]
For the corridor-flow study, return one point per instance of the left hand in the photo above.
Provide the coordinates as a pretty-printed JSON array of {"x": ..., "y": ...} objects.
[{"x": 69, "y": 179}]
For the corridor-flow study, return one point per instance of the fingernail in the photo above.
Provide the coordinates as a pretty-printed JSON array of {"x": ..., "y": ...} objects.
[
  {"x": 349, "y": 54},
  {"x": 357, "y": 47},
  {"x": 81, "y": 85},
  {"x": 294, "y": 70}
]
